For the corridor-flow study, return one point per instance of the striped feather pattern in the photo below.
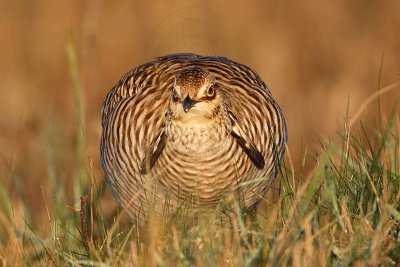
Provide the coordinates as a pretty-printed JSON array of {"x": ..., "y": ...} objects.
[{"x": 197, "y": 162}]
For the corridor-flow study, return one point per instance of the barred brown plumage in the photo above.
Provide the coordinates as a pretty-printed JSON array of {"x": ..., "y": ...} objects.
[{"x": 190, "y": 128}]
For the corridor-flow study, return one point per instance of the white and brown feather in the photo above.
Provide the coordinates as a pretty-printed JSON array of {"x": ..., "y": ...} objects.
[{"x": 200, "y": 161}]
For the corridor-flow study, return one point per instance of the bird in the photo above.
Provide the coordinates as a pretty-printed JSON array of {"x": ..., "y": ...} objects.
[{"x": 186, "y": 128}]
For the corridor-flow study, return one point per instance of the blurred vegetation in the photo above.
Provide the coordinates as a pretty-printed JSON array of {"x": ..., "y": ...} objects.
[{"x": 337, "y": 197}]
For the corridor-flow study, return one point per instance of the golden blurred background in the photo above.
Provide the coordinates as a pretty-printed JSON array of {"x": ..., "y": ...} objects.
[{"x": 317, "y": 57}]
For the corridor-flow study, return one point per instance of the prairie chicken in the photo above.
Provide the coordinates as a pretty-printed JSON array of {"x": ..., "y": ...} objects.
[{"x": 192, "y": 128}]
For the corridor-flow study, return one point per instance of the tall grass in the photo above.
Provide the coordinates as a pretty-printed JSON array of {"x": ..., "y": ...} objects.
[{"x": 344, "y": 211}]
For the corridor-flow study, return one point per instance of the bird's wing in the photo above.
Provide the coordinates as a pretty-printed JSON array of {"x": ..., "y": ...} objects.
[
  {"x": 245, "y": 143},
  {"x": 135, "y": 109},
  {"x": 154, "y": 151}
]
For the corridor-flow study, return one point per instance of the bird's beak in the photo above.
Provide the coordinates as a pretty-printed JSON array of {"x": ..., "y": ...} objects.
[{"x": 188, "y": 103}]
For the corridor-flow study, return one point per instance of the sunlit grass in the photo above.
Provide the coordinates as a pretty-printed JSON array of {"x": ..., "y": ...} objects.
[{"x": 341, "y": 212}]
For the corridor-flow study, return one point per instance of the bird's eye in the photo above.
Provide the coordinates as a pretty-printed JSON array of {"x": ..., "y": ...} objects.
[{"x": 211, "y": 91}]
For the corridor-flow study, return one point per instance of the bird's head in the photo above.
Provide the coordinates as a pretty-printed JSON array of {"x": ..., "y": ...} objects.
[{"x": 195, "y": 95}]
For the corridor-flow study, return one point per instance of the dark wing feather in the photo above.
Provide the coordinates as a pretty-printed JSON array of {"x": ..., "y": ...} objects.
[
  {"x": 247, "y": 145},
  {"x": 156, "y": 147}
]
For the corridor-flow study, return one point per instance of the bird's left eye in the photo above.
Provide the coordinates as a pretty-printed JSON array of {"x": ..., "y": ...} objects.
[{"x": 211, "y": 91}]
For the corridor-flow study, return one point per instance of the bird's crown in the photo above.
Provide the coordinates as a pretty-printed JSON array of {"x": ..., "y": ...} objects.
[{"x": 190, "y": 80}]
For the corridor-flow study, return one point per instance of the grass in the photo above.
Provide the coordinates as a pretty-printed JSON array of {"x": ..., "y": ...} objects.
[{"x": 342, "y": 212}]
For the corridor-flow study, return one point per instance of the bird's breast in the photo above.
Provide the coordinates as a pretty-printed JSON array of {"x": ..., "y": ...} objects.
[
  {"x": 196, "y": 138},
  {"x": 198, "y": 159}
]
